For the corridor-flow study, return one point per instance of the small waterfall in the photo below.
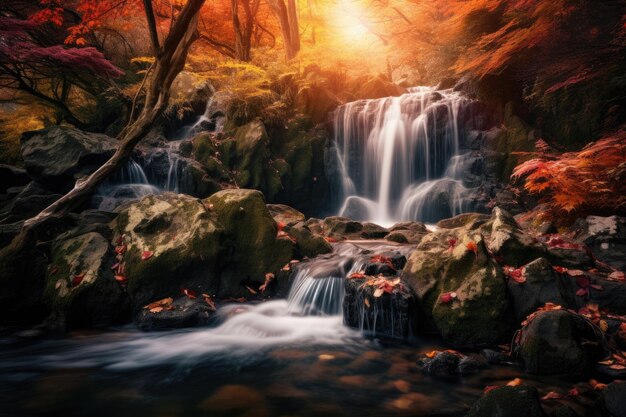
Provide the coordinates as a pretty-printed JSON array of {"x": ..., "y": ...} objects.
[
  {"x": 128, "y": 183},
  {"x": 399, "y": 157}
]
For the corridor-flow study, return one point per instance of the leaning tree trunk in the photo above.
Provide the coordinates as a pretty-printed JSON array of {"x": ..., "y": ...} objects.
[{"x": 169, "y": 61}]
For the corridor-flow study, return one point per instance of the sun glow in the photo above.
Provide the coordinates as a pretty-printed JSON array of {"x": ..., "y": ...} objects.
[{"x": 350, "y": 23}]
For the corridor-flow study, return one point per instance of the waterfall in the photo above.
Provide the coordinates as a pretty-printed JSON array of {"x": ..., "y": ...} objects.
[
  {"x": 128, "y": 183},
  {"x": 399, "y": 157}
]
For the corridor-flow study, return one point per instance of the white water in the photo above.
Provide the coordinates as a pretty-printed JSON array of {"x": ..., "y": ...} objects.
[{"x": 398, "y": 157}]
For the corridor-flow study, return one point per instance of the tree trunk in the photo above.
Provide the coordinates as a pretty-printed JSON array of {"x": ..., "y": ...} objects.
[
  {"x": 170, "y": 60},
  {"x": 288, "y": 20},
  {"x": 243, "y": 35}
]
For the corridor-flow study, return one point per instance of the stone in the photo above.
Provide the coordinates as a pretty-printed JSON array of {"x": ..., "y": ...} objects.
[
  {"x": 307, "y": 243},
  {"x": 519, "y": 401},
  {"x": 442, "y": 365},
  {"x": 30, "y": 201},
  {"x": 407, "y": 232},
  {"x": 58, "y": 156},
  {"x": 185, "y": 312},
  {"x": 542, "y": 285},
  {"x": 80, "y": 288},
  {"x": 373, "y": 231},
  {"x": 613, "y": 399},
  {"x": 286, "y": 215},
  {"x": 251, "y": 246},
  {"x": 479, "y": 314},
  {"x": 185, "y": 241},
  {"x": 390, "y": 315},
  {"x": 558, "y": 342}
]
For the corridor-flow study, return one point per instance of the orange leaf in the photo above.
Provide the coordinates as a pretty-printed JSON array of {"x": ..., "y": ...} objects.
[
  {"x": 146, "y": 255},
  {"x": 514, "y": 383},
  {"x": 189, "y": 293},
  {"x": 472, "y": 247}
]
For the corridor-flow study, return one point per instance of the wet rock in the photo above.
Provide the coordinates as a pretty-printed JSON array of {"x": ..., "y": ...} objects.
[
  {"x": 373, "y": 231},
  {"x": 613, "y": 399},
  {"x": 251, "y": 246},
  {"x": 341, "y": 227},
  {"x": 184, "y": 312},
  {"x": 307, "y": 243},
  {"x": 558, "y": 342},
  {"x": 520, "y": 401},
  {"x": 407, "y": 232},
  {"x": 58, "y": 156},
  {"x": 80, "y": 289},
  {"x": 284, "y": 214},
  {"x": 315, "y": 225},
  {"x": 471, "y": 364},
  {"x": 390, "y": 314},
  {"x": 508, "y": 241},
  {"x": 379, "y": 87},
  {"x": 470, "y": 221},
  {"x": 495, "y": 357},
  {"x": 542, "y": 285},
  {"x": 606, "y": 236},
  {"x": 184, "y": 241},
  {"x": 442, "y": 365},
  {"x": 478, "y": 315},
  {"x": 563, "y": 251}
]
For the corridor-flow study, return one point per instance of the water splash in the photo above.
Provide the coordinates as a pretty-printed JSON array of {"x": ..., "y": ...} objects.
[{"x": 398, "y": 157}]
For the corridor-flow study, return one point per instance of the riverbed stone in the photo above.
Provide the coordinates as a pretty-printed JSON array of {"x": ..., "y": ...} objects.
[
  {"x": 307, "y": 243},
  {"x": 288, "y": 216},
  {"x": 181, "y": 313},
  {"x": 184, "y": 242},
  {"x": 407, "y": 232},
  {"x": 559, "y": 342},
  {"x": 519, "y": 401}
]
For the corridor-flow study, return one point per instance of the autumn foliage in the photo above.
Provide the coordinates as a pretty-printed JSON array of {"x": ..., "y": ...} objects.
[{"x": 590, "y": 181}]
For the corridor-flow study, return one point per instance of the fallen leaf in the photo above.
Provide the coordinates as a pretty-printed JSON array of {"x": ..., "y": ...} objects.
[
  {"x": 616, "y": 276},
  {"x": 447, "y": 297},
  {"x": 189, "y": 293},
  {"x": 451, "y": 245},
  {"x": 432, "y": 354},
  {"x": 280, "y": 225},
  {"x": 121, "y": 279},
  {"x": 552, "y": 396},
  {"x": 560, "y": 269},
  {"x": 516, "y": 274},
  {"x": 330, "y": 239},
  {"x": 326, "y": 357},
  {"x": 164, "y": 302},
  {"x": 575, "y": 272},
  {"x": 573, "y": 392},
  {"x": 156, "y": 309},
  {"x": 490, "y": 388},
  {"x": 121, "y": 249},
  {"x": 250, "y": 290},
  {"x": 378, "y": 292},
  {"x": 366, "y": 302},
  {"x": 472, "y": 247},
  {"x": 146, "y": 255},
  {"x": 596, "y": 385},
  {"x": 603, "y": 325},
  {"x": 515, "y": 382},
  {"x": 77, "y": 279},
  {"x": 357, "y": 275}
]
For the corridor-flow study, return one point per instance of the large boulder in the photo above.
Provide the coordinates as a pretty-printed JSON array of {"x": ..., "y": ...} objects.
[
  {"x": 558, "y": 342},
  {"x": 251, "y": 246},
  {"x": 460, "y": 288},
  {"x": 80, "y": 287},
  {"x": 58, "y": 156},
  {"x": 283, "y": 214},
  {"x": 307, "y": 243},
  {"x": 519, "y": 401},
  {"x": 171, "y": 241}
]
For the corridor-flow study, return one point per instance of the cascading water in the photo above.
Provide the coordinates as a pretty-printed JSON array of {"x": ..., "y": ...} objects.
[
  {"x": 165, "y": 169},
  {"x": 399, "y": 157}
]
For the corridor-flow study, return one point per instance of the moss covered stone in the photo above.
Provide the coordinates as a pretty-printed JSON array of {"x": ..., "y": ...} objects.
[
  {"x": 442, "y": 263},
  {"x": 80, "y": 289},
  {"x": 520, "y": 401},
  {"x": 184, "y": 239},
  {"x": 250, "y": 243}
]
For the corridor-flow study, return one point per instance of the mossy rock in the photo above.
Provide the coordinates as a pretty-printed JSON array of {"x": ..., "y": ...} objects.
[
  {"x": 252, "y": 248},
  {"x": 479, "y": 314},
  {"x": 80, "y": 288},
  {"x": 509, "y": 241},
  {"x": 519, "y": 401},
  {"x": 184, "y": 239},
  {"x": 284, "y": 214},
  {"x": 558, "y": 342},
  {"x": 307, "y": 243}
]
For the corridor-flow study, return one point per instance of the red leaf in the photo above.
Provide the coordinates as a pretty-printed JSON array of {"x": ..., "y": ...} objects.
[
  {"x": 330, "y": 239},
  {"x": 490, "y": 388},
  {"x": 516, "y": 274},
  {"x": 582, "y": 292},
  {"x": 575, "y": 272},
  {"x": 121, "y": 249},
  {"x": 189, "y": 293},
  {"x": 121, "y": 279},
  {"x": 472, "y": 247},
  {"x": 77, "y": 279},
  {"x": 616, "y": 276},
  {"x": 281, "y": 226},
  {"x": 447, "y": 297},
  {"x": 357, "y": 275},
  {"x": 451, "y": 244},
  {"x": 146, "y": 255},
  {"x": 552, "y": 396},
  {"x": 560, "y": 269}
]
